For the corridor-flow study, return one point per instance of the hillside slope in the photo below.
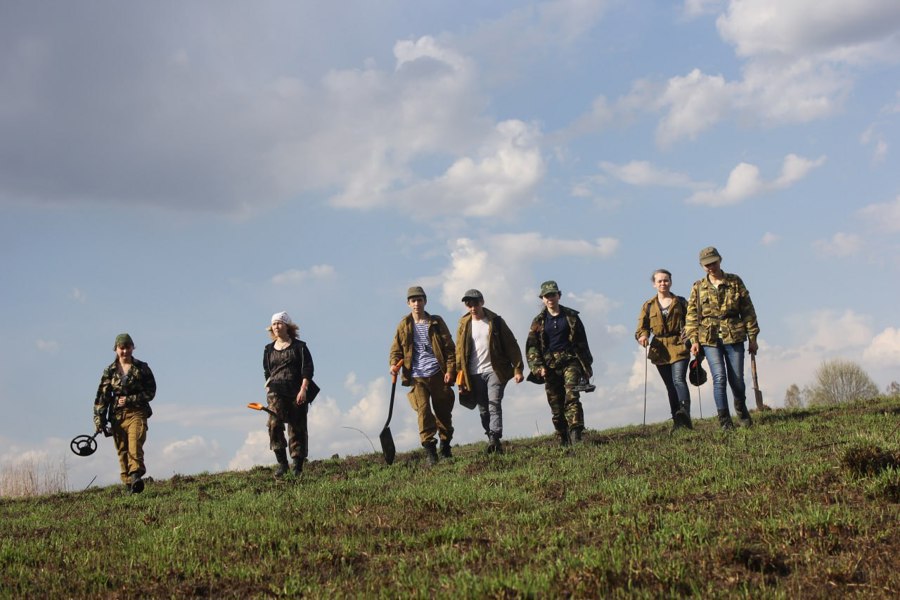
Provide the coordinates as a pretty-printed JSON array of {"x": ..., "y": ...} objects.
[{"x": 803, "y": 505}]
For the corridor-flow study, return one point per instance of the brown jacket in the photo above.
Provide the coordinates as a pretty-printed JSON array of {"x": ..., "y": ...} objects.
[
  {"x": 668, "y": 345},
  {"x": 441, "y": 343},
  {"x": 506, "y": 357}
]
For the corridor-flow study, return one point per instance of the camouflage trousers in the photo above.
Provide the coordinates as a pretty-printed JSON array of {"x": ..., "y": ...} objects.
[
  {"x": 565, "y": 404},
  {"x": 297, "y": 442},
  {"x": 427, "y": 393},
  {"x": 129, "y": 429}
]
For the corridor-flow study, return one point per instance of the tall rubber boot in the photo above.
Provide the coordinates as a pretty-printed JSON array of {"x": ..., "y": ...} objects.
[
  {"x": 575, "y": 435},
  {"x": 297, "y": 467},
  {"x": 281, "y": 457},
  {"x": 725, "y": 421},
  {"x": 445, "y": 449}
]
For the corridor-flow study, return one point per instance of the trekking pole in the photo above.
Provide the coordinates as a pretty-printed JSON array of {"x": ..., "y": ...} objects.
[{"x": 646, "y": 357}]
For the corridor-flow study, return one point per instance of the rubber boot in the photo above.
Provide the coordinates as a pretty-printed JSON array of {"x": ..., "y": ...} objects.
[
  {"x": 563, "y": 436},
  {"x": 725, "y": 421},
  {"x": 281, "y": 456},
  {"x": 445, "y": 449},
  {"x": 297, "y": 467},
  {"x": 740, "y": 407},
  {"x": 431, "y": 452},
  {"x": 681, "y": 420}
]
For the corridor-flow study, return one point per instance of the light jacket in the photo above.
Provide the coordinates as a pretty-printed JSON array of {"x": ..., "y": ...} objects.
[
  {"x": 537, "y": 344},
  {"x": 441, "y": 343},
  {"x": 506, "y": 357},
  {"x": 138, "y": 386},
  {"x": 667, "y": 345},
  {"x": 725, "y": 312}
]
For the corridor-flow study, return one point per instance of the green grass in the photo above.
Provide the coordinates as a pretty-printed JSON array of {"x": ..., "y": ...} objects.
[{"x": 804, "y": 505}]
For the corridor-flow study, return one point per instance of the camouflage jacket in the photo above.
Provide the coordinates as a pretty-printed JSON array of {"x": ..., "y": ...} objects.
[
  {"x": 441, "y": 344},
  {"x": 506, "y": 357},
  {"x": 138, "y": 386},
  {"x": 725, "y": 312},
  {"x": 668, "y": 345},
  {"x": 537, "y": 344}
]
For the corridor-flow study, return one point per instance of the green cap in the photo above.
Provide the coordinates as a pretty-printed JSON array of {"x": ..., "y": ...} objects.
[
  {"x": 548, "y": 287},
  {"x": 123, "y": 339},
  {"x": 414, "y": 291},
  {"x": 709, "y": 255}
]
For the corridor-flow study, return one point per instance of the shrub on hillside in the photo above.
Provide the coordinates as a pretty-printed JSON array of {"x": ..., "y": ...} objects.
[{"x": 840, "y": 381}]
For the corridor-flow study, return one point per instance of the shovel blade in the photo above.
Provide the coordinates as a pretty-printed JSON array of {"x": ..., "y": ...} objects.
[
  {"x": 387, "y": 445},
  {"x": 759, "y": 399}
]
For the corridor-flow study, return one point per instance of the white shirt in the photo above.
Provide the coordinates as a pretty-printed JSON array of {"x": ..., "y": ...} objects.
[{"x": 480, "y": 358}]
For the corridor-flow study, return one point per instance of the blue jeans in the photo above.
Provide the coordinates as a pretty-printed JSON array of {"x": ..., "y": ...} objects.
[
  {"x": 673, "y": 376},
  {"x": 726, "y": 364},
  {"x": 488, "y": 393}
]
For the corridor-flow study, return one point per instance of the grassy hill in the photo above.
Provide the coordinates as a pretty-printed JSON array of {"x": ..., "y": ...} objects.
[{"x": 804, "y": 505}]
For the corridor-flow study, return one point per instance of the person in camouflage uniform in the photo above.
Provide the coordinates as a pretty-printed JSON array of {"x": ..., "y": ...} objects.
[
  {"x": 663, "y": 317},
  {"x": 288, "y": 369},
  {"x": 558, "y": 356},
  {"x": 122, "y": 407},
  {"x": 425, "y": 349},
  {"x": 720, "y": 317}
]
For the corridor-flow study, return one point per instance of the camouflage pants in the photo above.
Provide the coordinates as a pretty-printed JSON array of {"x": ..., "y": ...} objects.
[
  {"x": 129, "y": 429},
  {"x": 565, "y": 404},
  {"x": 432, "y": 392},
  {"x": 294, "y": 417}
]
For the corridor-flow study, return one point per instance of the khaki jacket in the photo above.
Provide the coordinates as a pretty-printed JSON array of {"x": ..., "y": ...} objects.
[
  {"x": 726, "y": 312},
  {"x": 441, "y": 343},
  {"x": 667, "y": 345},
  {"x": 506, "y": 356}
]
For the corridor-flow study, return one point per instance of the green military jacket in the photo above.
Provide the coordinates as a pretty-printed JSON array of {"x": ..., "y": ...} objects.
[
  {"x": 506, "y": 357},
  {"x": 724, "y": 313},
  {"x": 537, "y": 343},
  {"x": 667, "y": 345},
  {"x": 441, "y": 343},
  {"x": 138, "y": 386}
]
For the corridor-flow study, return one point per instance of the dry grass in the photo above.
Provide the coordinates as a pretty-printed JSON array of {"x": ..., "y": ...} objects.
[{"x": 33, "y": 477}]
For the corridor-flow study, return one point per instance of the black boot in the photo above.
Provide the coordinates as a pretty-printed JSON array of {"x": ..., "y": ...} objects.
[
  {"x": 575, "y": 435},
  {"x": 740, "y": 407},
  {"x": 494, "y": 444},
  {"x": 445, "y": 449},
  {"x": 681, "y": 420},
  {"x": 281, "y": 457},
  {"x": 431, "y": 452},
  {"x": 297, "y": 467},
  {"x": 725, "y": 421},
  {"x": 563, "y": 437}
]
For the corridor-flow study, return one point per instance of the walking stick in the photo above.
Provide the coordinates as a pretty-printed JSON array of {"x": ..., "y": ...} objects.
[{"x": 646, "y": 357}]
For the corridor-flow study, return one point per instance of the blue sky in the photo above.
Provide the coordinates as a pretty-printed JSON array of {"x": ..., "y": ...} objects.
[{"x": 181, "y": 171}]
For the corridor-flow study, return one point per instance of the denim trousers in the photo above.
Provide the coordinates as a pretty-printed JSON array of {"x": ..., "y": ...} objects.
[
  {"x": 726, "y": 365},
  {"x": 673, "y": 375},
  {"x": 488, "y": 393}
]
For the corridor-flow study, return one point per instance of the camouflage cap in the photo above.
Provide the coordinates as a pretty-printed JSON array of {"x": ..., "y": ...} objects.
[
  {"x": 548, "y": 287},
  {"x": 414, "y": 291},
  {"x": 709, "y": 255},
  {"x": 472, "y": 294},
  {"x": 124, "y": 340}
]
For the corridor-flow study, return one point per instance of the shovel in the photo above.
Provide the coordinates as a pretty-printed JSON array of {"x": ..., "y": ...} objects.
[
  {"x": 387, "y": 440},
  {"x": 258, "y": 406},
  {"x": 756, "y": 390}
]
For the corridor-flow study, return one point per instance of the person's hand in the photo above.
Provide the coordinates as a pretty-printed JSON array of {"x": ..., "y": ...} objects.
[
  {"x": 121, "y": 401},
  {"x": 395, "y": 368},
  {"x": 518, "y": 377},
  {"x": 643, "y": 340},
  {"x": 695, "y": 348},
  {"x": 447, "y": 379},
  {"x": 542, "y": 372},
  {"x": 753, "y": 348},
  {"x": 301, "y": 396}
]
